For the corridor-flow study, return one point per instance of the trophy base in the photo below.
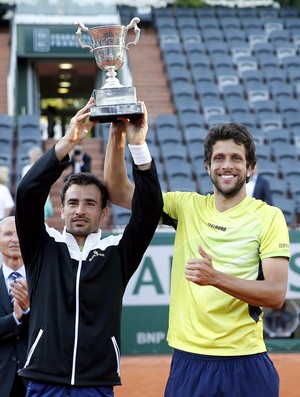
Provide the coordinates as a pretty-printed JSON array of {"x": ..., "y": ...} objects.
[
  {"x": 111, "y": 103},
  {"x": 107, "y": 114}
]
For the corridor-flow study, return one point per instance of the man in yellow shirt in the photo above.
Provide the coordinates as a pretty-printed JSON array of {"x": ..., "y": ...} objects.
[{"x": 230, "y": 259}]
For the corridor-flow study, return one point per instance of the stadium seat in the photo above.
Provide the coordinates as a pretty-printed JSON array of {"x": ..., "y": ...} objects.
[
  {"x": 265, "y": 48},
  {"x": 239, "y": 49},
  {"x": 163, "y": 120},
  {"x": 6, "y": 137},
  {"x": 171, "y": 59},
  {"x": 264, "y": 107},
  {"x": 120, "y": 216},
  {"x": 181, "y": 183},
  {"x": 219, "y": 60},
  {"x": 167, "y": 134},
  {"x": 277, "y": 74},
  {"x": 192, "y": 135},
  {"x": 205, "y": 185},
  {"x": 176, "y": 166},
  {"x": 219, "y": 119},
  {"x": 268, "y": 61},
  {"x": 194, "y": 120},
  {"x": 233, "y": 91},
  {"x": 186, "y": 22},
  {"x": 195, "y": 48},
  {"x": 282, "y": 150},
  {"x": 217, "y": 48},
  {"x": 178, "y": 73},
  {"x": 196, "y": 151},
  {"x": 279, "y": 188},
  {"x": 203, "y": 13},
  {"x": 212, "y": 106},
  {"x": 6, "y": 159},
  {"x": 226, "y": 76},
  {"x": 246, "y": 64},
  {"x": 190, "y": 35},
  {"x": 185, "y": 104},
  {"x": 172, "y": 150},
  {"x": 211, "y": 34},
  {"x": 278, "y": 135},
  {"x": 181, "y": 88},
  {"x": 292, "y": 106},
  {"x": 206, "y": 89},
  {"x": 293, "y": 121},
  {"x": 285, "y": 50},
  {"x": 249, "y": 76},
  {"x": 202, "y": 74},
  {"x": 196, "y": 60},
  {"x": 208, "y": 23},
  {"x": 288, "y": 208},
  {"x": 227, "y": 23},
  {"x": 237, "y": 105},
  {"x": 281, "y": 90},
  {"x": 257, "y": 92}
]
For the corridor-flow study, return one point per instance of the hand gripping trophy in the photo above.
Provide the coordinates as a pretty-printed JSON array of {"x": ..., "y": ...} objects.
[{"x": 109, "y": 47}]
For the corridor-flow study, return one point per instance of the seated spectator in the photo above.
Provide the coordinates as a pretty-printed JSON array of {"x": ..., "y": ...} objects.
[{"x": 7, "y": 203}]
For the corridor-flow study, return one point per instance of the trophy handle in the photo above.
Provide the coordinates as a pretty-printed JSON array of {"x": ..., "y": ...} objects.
[
  {"x": 78, "y": 35},
  {"x": 133, "y": 24}
]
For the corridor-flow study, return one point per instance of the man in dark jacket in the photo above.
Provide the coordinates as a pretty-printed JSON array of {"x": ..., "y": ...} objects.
[
  {"x": 14, "y": 312},
  {"x": 259, "y": 187},
  {"x": 80, "y": 160},
  {"x": 77, "y": 279}
]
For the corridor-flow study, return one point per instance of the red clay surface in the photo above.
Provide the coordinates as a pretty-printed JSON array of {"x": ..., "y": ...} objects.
[{"x": 145, "y": 376}]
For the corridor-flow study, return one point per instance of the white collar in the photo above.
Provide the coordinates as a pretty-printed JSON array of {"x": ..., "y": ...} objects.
[{"x": 7, "y": 271}]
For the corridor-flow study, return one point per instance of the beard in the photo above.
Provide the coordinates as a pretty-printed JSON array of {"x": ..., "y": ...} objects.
[{"x": 229, "y": 193}]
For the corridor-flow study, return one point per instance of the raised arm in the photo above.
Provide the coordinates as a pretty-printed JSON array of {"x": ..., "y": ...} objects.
[
  {"x": 35, "y": 186},
  {"x": 77, "y": 131},
  {"x": 119, "y": 187}
]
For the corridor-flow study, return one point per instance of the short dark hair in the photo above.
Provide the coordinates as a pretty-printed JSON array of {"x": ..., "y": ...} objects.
[
  {"x": 223, "y": 132},
  {"x": 84, "y": 179}
]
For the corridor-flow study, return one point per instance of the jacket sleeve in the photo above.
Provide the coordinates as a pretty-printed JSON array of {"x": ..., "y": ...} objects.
[
  {"x": 147, "y": 206},
  {"x": 31, "y": 197},
  {"x": 8, "y": 326}
]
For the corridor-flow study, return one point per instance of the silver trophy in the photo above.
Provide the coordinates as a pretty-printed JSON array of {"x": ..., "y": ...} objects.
[{"x": 109, "y": 47}]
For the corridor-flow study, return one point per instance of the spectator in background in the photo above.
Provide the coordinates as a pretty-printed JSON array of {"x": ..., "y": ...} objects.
[
  {"x": 259, "y": 187},
  {"x": 14, "y": 312},
  {"x": 80, "y": 160},
  {"x": 35, "y": 152},
  {"x": 50, "y": 112},
  {"x": 7, "y": 203}
]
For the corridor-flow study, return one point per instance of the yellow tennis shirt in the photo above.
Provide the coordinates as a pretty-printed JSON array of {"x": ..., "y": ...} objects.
[{"x": 203, "y": 319}]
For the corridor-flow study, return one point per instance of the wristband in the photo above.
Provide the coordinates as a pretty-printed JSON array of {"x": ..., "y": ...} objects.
[{"x": 140, "y": 154}]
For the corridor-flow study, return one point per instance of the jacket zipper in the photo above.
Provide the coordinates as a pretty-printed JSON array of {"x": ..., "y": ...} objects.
[
  {"x": 117, "y": 351},
  {"x": 76, "y": 321},
  {"x": 33, "y": 347}
]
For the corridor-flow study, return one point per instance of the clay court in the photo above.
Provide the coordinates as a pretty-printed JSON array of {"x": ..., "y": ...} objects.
[{"x": 145, "y": 376}]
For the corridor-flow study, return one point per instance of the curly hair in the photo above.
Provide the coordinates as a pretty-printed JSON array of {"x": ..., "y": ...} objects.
[{"x": 223, "y": 132}]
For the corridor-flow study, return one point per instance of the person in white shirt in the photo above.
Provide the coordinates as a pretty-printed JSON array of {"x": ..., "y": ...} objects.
[{"x": 7, "y": 203}]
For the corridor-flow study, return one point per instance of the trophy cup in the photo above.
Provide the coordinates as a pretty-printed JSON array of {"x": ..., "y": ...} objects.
[{"x": 109, "y": 46}]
